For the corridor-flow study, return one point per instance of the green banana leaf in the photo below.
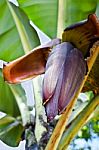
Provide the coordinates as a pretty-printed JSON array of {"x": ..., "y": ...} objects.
[
  {"x": 11, "y": 48},
  {"x": 48, "y": 14},
  {"x": 10, "y": 43},
  {"x": 12, "y": 97},
  {"x": 8, "y": 103},
  {"x": 9, "y": 126},
  {"x": 79, "y": 10},
  {"x": 43, "y": 13}
]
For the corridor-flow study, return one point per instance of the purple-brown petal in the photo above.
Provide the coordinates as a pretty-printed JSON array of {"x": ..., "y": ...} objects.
[
  {"x": 54, "y": 68},
  {"x": 51, "y": 106},
  {"x": 74, "y": 72},
  {"x": 26, "y": 67},
  {"x": 29, "y": 65},
  {"x": 65, "y": 71}
]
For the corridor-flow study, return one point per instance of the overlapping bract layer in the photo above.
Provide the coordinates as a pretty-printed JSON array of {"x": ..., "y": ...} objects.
[{"x": 65, "y": 70}]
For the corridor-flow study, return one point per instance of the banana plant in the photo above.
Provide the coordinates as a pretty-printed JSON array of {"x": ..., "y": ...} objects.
[{"x": 67, "y": 61}]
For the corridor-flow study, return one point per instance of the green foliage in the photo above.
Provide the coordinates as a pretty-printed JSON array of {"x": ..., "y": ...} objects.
[
  {"x": 95, "y": 125},
  {"x": 7, "y": 99},
  {"x": 78, "y": 10},
  {"x": 12, "y": 97},
  {"x": 11, "y": 48},
  {"x": 92, "y": 125},
  {"x": 24, "y": 28},
  {"x": 10, "y": 44},
  {"x": 86, "y": 132},
  {"x": 44, "y": 13},
  {"x": 11, "y": 130}
]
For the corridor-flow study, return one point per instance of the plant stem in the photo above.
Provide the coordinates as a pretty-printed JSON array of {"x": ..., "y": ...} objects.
[
  {"x": 60, "y": 127},
  {"x": 25, "y": 114},
  {"x": 31, "y": 143},
  {"x": 21, "y": 30},
  {"x": 77, "y": 123},
  {"x": 26, "y": 46},
  {"x": 61, "y": 17},
  {"x": 21, "y": 101},
  {"x": 40, "y": 110}
]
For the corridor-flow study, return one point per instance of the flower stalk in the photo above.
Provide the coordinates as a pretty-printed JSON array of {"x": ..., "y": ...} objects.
[
  {"x": 61, "y": 17},
  {"x": 77, "y": 123}
]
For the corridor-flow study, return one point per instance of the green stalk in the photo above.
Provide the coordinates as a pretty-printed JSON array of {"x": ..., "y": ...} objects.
[
  {"x": 22, "y": 33},
  {"x": 40, "y": 110},
  {"x": 23, "y": 109},
  {"x": 61, "y": 17},
  {"x": 21, "y": 101},
  {"x": 77, "y": 123}
]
